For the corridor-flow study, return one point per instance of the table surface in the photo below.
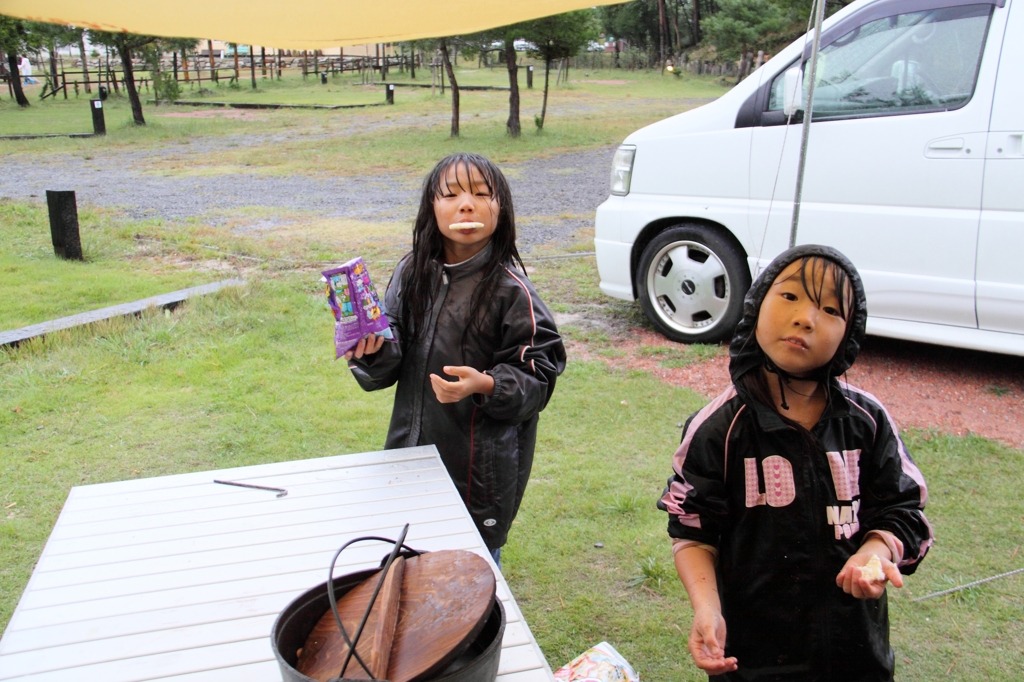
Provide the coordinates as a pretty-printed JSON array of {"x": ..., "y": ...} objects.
[{"x": 180, "y": 579}]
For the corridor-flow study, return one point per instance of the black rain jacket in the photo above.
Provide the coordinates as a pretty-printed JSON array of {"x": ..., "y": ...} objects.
[
  {"x": 486, "y": 443},
  {"x": 784, "y": 519}
]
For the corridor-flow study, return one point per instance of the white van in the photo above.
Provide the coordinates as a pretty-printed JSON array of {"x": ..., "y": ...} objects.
[{"x": 915, "y": 170}]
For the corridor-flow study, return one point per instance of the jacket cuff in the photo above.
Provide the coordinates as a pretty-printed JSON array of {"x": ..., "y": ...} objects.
[
  {"x": 481, "y": 400},
  {"x": 891, "y": 541}
]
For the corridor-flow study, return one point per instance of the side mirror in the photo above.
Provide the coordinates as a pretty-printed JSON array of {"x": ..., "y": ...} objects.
[{"x": 793, "y": 90}]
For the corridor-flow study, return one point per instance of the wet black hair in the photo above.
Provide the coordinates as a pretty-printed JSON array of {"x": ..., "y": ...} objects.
[
  {"x": 420, "y": 279},
  {"x": 813, "y": 272}
]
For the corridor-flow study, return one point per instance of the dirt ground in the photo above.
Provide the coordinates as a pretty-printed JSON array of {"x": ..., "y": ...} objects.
[{"x": 923, "y": 386}]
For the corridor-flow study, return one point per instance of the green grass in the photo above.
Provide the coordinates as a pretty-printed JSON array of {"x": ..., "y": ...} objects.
[
  {"x": 237, "y": 378},
  {"x": 38, "y": 286},
  {"x": 580, "y": 116}
]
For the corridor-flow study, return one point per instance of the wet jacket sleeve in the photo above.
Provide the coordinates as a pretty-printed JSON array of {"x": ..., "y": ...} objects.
[
  {"x": 381, "y": 369},
  {"x": 696, "y": 498},
  {"x": 529, "y": 358},
  {"x": 893, "y": 494}
]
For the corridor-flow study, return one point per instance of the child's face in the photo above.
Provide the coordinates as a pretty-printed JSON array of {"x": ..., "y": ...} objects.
[
  {"x": 798, "y": 334},
  {"x": 465, "y": 199}
]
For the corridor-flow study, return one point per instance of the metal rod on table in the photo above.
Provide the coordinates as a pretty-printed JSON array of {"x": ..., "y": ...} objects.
[
  {"x": 808, "y": 109},
  {"x": 281, "y": 492}
]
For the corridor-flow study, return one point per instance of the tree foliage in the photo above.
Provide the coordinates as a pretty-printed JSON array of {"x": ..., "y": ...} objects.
[
  {"x": 741, "y": 25},
  {"x": 558, "y": 37}
]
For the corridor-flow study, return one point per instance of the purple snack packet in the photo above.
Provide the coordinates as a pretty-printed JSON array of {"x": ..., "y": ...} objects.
[{"x": 357, "y": 308}]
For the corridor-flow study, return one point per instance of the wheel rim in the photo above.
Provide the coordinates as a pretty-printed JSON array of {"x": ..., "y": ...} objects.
[{"x": 688, "y": 287}]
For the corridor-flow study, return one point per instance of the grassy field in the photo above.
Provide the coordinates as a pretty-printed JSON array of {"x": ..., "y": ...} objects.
[
  {"x": 581, "y": 115},
  {"x": 237, "y": 378}
]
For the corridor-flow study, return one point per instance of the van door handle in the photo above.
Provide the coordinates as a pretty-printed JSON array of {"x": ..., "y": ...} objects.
[
  {"x": 962, "y": 146},
  {"x": 947, "y": 145}
]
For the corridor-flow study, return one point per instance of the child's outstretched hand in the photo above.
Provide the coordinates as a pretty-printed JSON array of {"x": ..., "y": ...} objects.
[
  {"x": 470, "y": 381},
  {"x": 369, "y": 344},
  {"x": 707, "y": 643},
  {"x": 854, "y": 583}
]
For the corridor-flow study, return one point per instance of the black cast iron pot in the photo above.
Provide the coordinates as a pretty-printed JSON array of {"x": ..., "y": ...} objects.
[{"x": 479, "y": 663}]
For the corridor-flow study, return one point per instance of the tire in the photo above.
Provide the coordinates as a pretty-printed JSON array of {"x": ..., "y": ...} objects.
[{"x": 691, "y": 283}]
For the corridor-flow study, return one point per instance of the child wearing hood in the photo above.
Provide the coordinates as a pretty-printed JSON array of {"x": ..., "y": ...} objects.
[{"x": 793, "y": 500}]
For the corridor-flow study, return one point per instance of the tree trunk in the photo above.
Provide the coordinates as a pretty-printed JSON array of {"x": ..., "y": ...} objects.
[
  {"x": 696, "y": 21},
  {"x": 661, "y": 33},
  {"x": 544, "y": 106},
  {"x": 512, "y": 127},
  {"x": 129, "y": 82},
  {"x": 12, "y": 66},
  {"x": 455, "y": 88},
  {"x": 85, "y": 61},
  {"x": 617, "y": 43},
  {"x": 236, "y": 64},
  {"x": 52, "y": 48}
]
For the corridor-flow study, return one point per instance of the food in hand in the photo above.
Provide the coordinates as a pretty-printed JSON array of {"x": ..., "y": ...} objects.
[
  {"x": 872, "y": 570},
  {"x": 465, "y": 226}
]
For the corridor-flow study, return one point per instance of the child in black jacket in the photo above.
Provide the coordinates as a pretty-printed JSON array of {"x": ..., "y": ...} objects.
[
  {"x": 460, "y": 307},
  {"x": 794, "y": 501}
]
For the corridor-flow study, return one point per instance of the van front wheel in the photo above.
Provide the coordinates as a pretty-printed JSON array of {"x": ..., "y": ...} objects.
[{"x": 691, "y": 284}]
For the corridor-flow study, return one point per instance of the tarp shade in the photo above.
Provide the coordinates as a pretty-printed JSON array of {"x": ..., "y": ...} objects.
[{"x": 315, "y": 24}]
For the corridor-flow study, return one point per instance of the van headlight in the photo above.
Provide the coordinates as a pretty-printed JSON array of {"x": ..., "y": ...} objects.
[{"x": 622, "y": 169}]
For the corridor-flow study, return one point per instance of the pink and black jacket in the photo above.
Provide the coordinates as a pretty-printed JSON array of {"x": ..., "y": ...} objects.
[
  {"x": 784, "y": 517},
  {"x": 486, "y": 443}
]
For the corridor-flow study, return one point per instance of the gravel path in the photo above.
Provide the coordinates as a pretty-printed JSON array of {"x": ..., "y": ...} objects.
[
  {"x": 544, "y": 190},
  {"x": 923, "y": 386}
]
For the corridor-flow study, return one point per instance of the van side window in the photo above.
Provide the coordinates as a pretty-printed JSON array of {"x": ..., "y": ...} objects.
[{"x": 908, "y": 63}]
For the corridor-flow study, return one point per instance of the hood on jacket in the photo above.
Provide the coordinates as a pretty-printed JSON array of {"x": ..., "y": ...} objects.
[{"x": 744, "y": 352}]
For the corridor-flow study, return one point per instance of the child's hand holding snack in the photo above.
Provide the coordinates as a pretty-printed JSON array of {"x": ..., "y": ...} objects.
[
  {"x": 866, "y": 572},
  {"x": 368, "y": 345}
]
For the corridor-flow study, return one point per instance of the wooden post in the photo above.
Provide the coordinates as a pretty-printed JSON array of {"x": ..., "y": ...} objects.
[
  {"x": 209, "y": 47},
  {"x": 252, "y": 66},
  {"x": 99, "y": 125},
  {"x": 278, "y": 62},
  {"x": 305, "y": 67},
  {"x": 529, "y": 77},
  {"x": 389, "y": 93},
  {"x": 263, "y": 60},
  {"x": 67, "y": 243}
]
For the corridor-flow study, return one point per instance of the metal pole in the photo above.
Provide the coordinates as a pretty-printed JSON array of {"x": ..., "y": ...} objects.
[{"x": 808, "y": 109}]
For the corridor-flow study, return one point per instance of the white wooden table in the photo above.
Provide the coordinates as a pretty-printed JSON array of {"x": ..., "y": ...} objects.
[{"x": 179, "y": 579}]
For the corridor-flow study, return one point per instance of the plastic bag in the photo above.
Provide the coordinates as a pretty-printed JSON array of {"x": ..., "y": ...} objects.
[
  {"x": 357, "y": 308},
  {"x": 600, "y": 663}
]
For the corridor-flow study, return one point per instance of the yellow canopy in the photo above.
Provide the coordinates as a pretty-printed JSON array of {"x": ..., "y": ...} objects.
[{"x": 316, "y": 24}]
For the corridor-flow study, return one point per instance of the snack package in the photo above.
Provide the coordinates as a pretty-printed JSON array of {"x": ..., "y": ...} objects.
[
  {"x": 357, "y": 308},
  {"x": 600, "y": 663}
]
